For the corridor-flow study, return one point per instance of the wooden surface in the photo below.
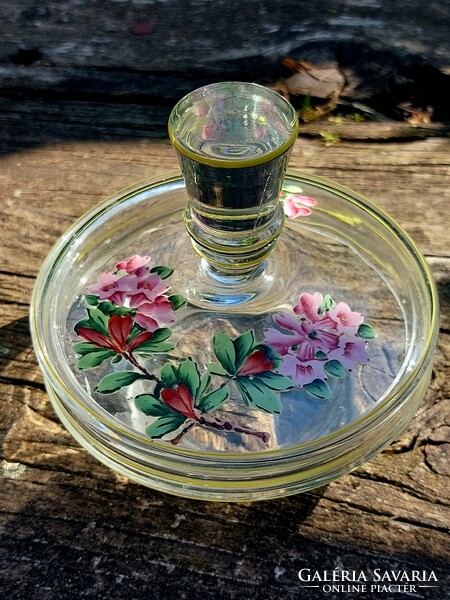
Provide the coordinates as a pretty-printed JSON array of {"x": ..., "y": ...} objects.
[
  {"x": 72, "y": 529},
  {"x": 84, "y": 101}
]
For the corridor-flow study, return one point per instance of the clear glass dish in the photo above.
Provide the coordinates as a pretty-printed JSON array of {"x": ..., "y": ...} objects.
[{"x": 338, "y": 257}]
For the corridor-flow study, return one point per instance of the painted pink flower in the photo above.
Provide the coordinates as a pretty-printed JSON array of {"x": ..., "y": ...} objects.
[
  {"x": 150, "y": 314},
  {"x": 302, "y": 372},
  {"x": 282, "y": 341},
  {"x": 308, "y": 306},
  {"x": 213, "y": 130},
  {"x": 147, "y": 290},
  {"x": 110, "y": 286},
  {"x": 322, "y": 331},
  {"x": 133, "y": 264},
  {"x": 201, "y": 109},
  {"x": 132, "y": 285},
  {"x": 296, "y": 205},
  {"x": 346, "y": 320},
  {"x": 351, "y": 352}
]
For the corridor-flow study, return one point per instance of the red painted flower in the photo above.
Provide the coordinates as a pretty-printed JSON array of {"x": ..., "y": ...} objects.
[
  {"x": 119, "y": 329},
  {"x": 180, "y": 399},
  {"x": 256, "y": 363}
]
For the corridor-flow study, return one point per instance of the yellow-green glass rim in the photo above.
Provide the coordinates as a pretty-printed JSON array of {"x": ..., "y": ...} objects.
[{"x": 236, "y": 163}]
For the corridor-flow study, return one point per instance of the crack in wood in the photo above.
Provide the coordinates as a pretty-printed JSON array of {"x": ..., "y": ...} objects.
[
  {"x": 27, "y": 383},
  {"x": 400, "y": 485},
  {"x": 373, "y": 511}
]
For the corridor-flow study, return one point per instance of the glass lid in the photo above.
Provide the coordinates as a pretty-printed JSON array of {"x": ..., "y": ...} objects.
[{"x": 147, "y": 335}]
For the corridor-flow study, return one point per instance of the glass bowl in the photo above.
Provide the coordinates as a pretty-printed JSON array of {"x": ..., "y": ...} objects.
[{"x": 285, "y": 404}]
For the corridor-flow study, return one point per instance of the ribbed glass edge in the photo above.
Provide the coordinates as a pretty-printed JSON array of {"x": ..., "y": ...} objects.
[{"x": 209, "y": 487}]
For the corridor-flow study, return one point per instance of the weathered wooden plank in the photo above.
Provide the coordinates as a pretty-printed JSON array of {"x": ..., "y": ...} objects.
[
  {"x": 71, "y": 528},
  {"x": 80, "y": 34},
  {"x": 16, "y": 290},
  {"x": 408, "y": 485},
  {"x": 30, "y": 122},
  {"x": 384, "y": 131},
  {"x": 45, "y": 190},
  {"x": 111, "y": 86}
]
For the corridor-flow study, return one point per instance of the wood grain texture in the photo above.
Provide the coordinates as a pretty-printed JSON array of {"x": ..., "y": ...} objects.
[
  {"x": 184, "y": 38},
  {"x": 84, "y": 103},
  {"x": 71, "y": 528}
]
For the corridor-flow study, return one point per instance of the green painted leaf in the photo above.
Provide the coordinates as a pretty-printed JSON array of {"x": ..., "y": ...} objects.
[
  {"x": 89, "y": 324},
  {"x": 161, "y": 335},
  {"x": 225, "y": 352},
  {"x": 109, "y": 309},
  {"x": 243, "y": 346},
  {"x": 335, "y": 368},
  {"x": 164, "y": 425},
  {"x": 177, "y": 301},
  {"x": 168, "y": 375},
  {"x": 318, "y": 389},
  {"x": 205, "y": 382},
  {"x": 151, "y": 348},
  {"x": 99, "y": 319},
  {"x": 275, "y": 381},
  {"x": 116, "y": 359},
  {"x": 94, "y": 359},
  {"x": 255, "y": 393},
  {"x": 85, "y": 348},
  {"x": 151, "y": 406},
  {"x": 163, "y": 272},
  {"x": 189, "y": 374},
  {"x": 326, "y": 304},
  {"x": 242, "y": 389},
  {"x": 215, "y": 369},
  {"x": 367, "y": 332},
  {"x": 155, "y": 344},
  {"x": 91, "y": 299},
  {"x": 213, "y": 400},
  {"x": 115, "y": 381}
]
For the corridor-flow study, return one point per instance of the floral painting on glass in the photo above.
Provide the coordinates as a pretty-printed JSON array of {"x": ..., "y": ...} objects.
[{"x": 128, "y": 314}]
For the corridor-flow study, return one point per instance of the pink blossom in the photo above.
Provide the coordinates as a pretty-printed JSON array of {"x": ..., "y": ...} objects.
[
  {"x": 296, "y": 205},
  {"x": 321, "y": 332},
  {"x": 133, "y": 264},
  {"x": 201, "y": 109},
  {"x": 308, "y": 306},
  {"x": 302, "y": 372},
  {"x": 132, "y": 285},
  {"x": 346, "y": 320},
  {"x": 282, "y": 341},
  {"x": 109, "y": 287},
  {"x": 213, "y": 130},
  {"x": 147, "y": 289},
  {"x": 207, "y": 131},
  {"x": 350, "y": 353},
  {"x": 146, "y": 321},
  {"x": 150, "y": 313}
]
